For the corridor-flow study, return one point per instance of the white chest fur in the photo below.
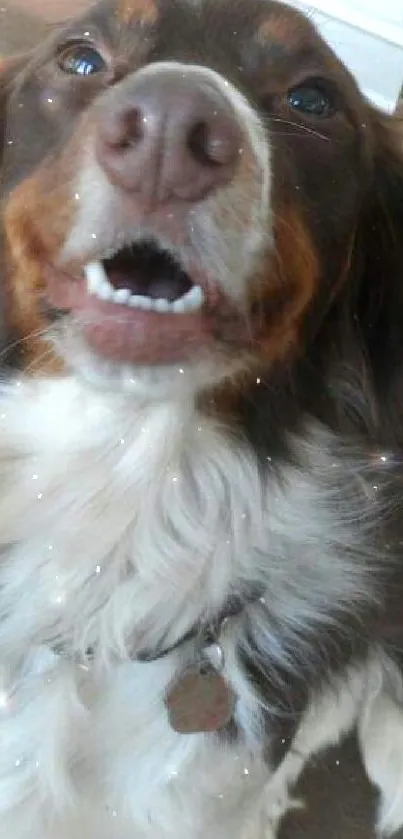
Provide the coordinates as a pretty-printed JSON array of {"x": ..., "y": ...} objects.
[{"x": 122, "y": 526}]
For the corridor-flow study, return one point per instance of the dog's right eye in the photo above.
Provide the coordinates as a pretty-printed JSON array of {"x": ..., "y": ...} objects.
[{"x": 81, "y": 60}]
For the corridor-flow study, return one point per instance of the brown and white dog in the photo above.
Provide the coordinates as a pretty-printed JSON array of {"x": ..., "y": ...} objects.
[{"x": 201, "y": 424}]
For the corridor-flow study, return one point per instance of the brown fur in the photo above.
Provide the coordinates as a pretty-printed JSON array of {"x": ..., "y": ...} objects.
[{"x": 142, "y": 11}]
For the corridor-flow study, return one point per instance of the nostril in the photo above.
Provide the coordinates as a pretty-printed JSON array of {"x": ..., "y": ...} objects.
[
  {"x": 199, "y": 144},
  {"x": 210, "y": 145},
  {"x": 126, "y": 130}
]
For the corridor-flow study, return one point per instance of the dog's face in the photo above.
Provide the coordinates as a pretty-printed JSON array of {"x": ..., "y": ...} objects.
[{"x": 182, "y": 182}]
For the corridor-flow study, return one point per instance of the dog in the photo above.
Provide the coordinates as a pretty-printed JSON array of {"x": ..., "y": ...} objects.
[{"x": 201, "y": 424}]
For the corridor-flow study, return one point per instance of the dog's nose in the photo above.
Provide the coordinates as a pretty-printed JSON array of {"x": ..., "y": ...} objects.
[{"x": 169, "y": 135}]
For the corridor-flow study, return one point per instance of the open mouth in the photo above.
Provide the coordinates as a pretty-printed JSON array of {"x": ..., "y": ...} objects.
[
  {"x": 138, "y": 305},
  {"x": 146, "y": 277}
]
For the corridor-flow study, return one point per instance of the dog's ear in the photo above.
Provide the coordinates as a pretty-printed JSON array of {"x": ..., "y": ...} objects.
[{"x": 378, "y": 298}]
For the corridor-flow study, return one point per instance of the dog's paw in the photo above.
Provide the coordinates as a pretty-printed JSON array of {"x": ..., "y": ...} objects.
[
  {"x": 380, "y": 731},
  {"x": 273, "y": 805},
  {"x": 279, "y": 806}
]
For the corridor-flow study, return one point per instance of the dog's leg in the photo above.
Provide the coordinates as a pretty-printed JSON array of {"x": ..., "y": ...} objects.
[
  {"x": 327, "y": 720},
  {"x": 380, "y": 731}
]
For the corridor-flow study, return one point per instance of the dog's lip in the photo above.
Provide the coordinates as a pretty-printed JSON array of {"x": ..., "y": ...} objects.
[{"x": 119, "y": 333}]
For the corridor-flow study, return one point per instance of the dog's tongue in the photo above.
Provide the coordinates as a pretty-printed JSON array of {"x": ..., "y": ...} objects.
[{"x": 156, "y": 287}]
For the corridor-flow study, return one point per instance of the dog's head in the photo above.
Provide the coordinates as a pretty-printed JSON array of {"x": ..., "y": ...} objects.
[{"x": 188, "y": 187}]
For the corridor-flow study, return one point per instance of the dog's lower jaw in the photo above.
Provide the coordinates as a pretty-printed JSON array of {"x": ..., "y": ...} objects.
[{"x": 147, "y": 384}]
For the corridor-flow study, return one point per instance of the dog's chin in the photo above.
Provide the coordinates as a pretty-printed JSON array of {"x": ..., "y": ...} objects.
[{"x": 146, "y": 383}]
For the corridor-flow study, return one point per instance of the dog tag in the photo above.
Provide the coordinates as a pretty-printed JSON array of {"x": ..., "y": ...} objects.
[{"x": 200, "y": 701}]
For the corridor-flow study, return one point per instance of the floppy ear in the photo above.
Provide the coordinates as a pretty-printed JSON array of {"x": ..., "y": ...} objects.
[{"x": 378, "y": 257}]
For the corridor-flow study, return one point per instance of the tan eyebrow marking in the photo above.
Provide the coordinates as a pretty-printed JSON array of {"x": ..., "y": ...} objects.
[
  {"x": 282, "y": 29},
  {"x": 144, "y": 11}
]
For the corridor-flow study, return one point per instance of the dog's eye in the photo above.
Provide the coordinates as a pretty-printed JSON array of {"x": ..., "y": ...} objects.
[
  {"x": 311, "y": 100},
  {"x": 81, "y": 60}
]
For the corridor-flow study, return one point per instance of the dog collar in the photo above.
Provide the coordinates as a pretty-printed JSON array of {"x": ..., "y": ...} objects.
[{"x": 206, "y": 633}]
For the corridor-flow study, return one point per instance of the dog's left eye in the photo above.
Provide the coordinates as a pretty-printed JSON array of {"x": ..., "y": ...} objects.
[
  {"x": 81, "y": 60},
  {"x": 311, "y": 100}
]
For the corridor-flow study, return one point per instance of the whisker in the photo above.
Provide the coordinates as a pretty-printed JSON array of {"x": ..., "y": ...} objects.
[
  {"x": 296, "y": 134},
  {"x": 299, "y": 126},
  {"x": 37, "y": 333},
  {"x": 38, "y": 360}
]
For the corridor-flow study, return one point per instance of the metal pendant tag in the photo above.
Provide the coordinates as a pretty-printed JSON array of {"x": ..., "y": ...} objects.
[{"x": 200, "y": 701}]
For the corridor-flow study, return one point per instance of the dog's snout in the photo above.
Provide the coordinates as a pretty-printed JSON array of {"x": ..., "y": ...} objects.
[{"x": 169, "y": 136}]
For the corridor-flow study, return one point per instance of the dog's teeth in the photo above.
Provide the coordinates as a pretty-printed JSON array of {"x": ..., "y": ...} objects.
[
  {"x": 98, "y": 285},
  {"x": 137, "y": 301},
  {"x": 162, "y": 305},
  {"x": 194, "y": 299},
  {"x": 190, "y": 302},
  {"x": 179, "y": 306},
  {"x": 122, "y": 296},
  {"x": 105, "y": 292},
  {"x": 97, "y": 280}
]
